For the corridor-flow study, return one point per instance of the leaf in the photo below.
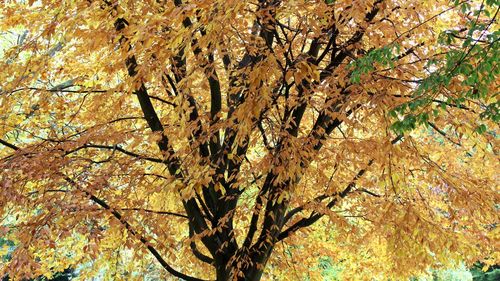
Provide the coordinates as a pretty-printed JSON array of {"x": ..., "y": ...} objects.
[{"x": 209, "y": 140}]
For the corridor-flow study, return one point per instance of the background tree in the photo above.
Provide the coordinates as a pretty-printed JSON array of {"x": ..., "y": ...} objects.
[{"x": 225, "y": 139}]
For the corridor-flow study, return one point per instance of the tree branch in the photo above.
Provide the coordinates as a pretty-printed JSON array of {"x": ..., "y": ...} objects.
[
  {"x": 314, "y": 217},
  {"x": 9, "y": 145},
  {"x": 442, "y": 133},
  {"x": 196, "y": 252},
  {"x": 133, "y": 233},
  {"x": 117, "y": 148},
  {"x": 193, "y": 211},
  {"x": 126, "y": 224},
  {"x": 155, "y": 212}
]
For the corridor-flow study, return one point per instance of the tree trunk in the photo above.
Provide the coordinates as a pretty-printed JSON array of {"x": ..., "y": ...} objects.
[
  {"x": 251, "y": 270},
  {"x": 250, "y": 274}
]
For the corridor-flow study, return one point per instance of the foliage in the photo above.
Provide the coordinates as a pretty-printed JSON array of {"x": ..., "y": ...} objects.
[
  {"x": 240, "y": 140},
  {"x": 480, "y": 272}
]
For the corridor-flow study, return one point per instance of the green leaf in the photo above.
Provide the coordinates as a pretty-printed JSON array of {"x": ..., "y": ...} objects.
[{"x": 481, "y": 129}]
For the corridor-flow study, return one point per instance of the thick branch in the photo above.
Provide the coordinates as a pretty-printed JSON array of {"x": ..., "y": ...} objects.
[
  {"x": 196, "y": 252},
  {"x": 193, "y": 211},
  {"x": 9, "y": 145}
]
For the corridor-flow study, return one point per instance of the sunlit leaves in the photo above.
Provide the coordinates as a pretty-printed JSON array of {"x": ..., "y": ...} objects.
[{"x": 158, "y": 137}]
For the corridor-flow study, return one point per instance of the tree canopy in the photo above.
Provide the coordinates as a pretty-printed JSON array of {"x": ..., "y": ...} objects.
[{"x": 246, "y": 140}]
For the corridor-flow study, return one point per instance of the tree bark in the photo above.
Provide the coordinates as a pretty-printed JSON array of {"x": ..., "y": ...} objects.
[{"x": 230, "y": 272}]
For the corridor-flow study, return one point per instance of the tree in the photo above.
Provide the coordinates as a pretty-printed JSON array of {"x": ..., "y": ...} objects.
[{"x": 221, "y": 139}]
